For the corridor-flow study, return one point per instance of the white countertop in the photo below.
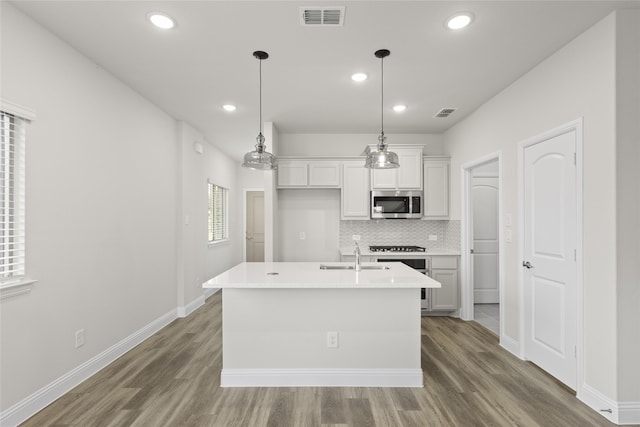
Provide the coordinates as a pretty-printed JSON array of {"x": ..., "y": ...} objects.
[
  {"x": 300, "y": 275},
  {"x": 364, "y": 250}
]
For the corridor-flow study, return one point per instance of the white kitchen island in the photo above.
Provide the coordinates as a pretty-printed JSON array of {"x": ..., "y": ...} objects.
[{"x": 294, "y": 324}]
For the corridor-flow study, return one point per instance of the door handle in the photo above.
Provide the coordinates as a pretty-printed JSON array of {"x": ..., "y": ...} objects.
[
  {"x": 527, "y": 264},
  {"x": 470, "y": 250}
]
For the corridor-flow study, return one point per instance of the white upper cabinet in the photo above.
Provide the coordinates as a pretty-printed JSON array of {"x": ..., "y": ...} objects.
[
  {"x": 292, "y": 173},
  {"x": 324, "y": 174},
  {"x": 407, "y": 177},
  {"x": 308, "y": 174},
  {"x": 435, "y": 197},
  {"x": 355, "y": 190}
]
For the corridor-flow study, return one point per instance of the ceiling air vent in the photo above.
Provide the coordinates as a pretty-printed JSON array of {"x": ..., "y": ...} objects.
[
  {"x": 445, "y": 112},
  {"x": 322, "y": 16}
]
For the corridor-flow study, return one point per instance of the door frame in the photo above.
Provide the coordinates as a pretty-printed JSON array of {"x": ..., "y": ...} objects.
[
  {"x": 575, "y": 125},
  {"x": 466, "y": 272},
  {"x": 244, "y": 220}
]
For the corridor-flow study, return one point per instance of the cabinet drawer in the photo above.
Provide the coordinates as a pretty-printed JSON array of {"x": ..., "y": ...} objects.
[{"x": 444, "y": 262}]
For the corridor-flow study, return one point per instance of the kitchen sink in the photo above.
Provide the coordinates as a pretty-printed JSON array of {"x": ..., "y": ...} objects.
[{"x": 352, "y": 267}]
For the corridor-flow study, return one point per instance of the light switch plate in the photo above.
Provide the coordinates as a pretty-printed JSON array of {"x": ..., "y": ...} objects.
[{"x": 507, "y": 220}]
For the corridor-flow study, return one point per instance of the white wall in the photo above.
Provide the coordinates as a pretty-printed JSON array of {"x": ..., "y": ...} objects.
[
  {"x": 577, "y": 81},
  {"x": 314, "y": 212},
  {"x": 271, "y": 207},
  {"x": 628, "y": 203},
  {"x": 198, "y": 261},
  {"x": 101, "y": 209},
  {"x": 345, "y": 145}
]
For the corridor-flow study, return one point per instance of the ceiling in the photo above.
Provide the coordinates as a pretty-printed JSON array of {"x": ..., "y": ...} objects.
[{"x": 206, "y": 60}]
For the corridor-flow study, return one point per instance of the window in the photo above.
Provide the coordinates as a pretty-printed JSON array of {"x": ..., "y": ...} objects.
[
  {"x": 218, "y": 213},
  {"x": 12, "y": 216}
]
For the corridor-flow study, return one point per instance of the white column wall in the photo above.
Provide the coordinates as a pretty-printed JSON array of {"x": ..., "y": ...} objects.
[
  {"x": 577, "y": 81},
  {"x": 628, "y": 203}
]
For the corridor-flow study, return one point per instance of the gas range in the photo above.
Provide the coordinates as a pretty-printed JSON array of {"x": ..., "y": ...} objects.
[{"x": 396, "y": 249}]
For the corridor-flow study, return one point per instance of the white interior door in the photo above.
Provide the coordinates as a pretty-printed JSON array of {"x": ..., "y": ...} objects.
[
  {"x": 550, "y": 274},
  {"x": 484, "y": 192},
  {"x": 255, "y": 226}
]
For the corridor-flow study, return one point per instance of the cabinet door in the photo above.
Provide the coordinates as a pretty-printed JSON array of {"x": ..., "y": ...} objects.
[
  {"x": 446, "y": 297},
  {"x": 292, "y": 174},
  {"x": 384, "y": 179},
  {"x": 355, "y": 191},
  {"x": 324, "y": 174},
  {"x": 407, "y": 177},
  {"x": 410, "y": 170},
  {"x": 436, "y": 189}
]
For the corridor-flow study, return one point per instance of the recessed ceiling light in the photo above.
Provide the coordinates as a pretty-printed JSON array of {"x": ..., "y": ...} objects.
[
  {"x": 399, "y": 108},
  {"x": 359, "y": 77},
  {"x": 229, "y": 107},
  {"x": 459, "y": 21},
  {"x": 161, "y": 20}
]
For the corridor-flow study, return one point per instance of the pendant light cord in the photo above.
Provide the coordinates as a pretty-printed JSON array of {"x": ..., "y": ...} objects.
[
  {"x": 382, "y": 92},
  {"x": 260, "y": 90}
]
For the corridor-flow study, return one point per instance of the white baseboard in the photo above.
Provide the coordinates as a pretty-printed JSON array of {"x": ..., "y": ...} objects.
[
  {"x": 29, "y": 406},
  {"x": 321, "y": 378},
  {"x": 621, "y": 413},
  {"x": 629, "y": 413},
  {"x": 511, "y": 345},
  {"x": 185, "y": 310},
  {"x": 209, "y": 291}
]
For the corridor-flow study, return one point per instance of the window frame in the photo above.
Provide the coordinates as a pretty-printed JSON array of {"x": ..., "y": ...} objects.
[
  {"x": 17, "y": 116},
  {"x": 214, "y": 189}
]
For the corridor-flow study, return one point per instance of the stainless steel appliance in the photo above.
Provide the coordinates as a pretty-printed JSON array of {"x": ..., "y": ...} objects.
[
  {"x": 396, "y": 204},
  {"x": 420, "y": 263},
  {"x": 396, "y": 249}
]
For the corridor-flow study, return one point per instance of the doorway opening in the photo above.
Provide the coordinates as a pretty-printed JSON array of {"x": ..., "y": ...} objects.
[
  {"x": 481, "y": 243},
  {"x": 254, "y": 226}
]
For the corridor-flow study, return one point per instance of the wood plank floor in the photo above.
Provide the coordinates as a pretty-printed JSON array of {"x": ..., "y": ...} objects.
[{"x": 173, "y": 379}]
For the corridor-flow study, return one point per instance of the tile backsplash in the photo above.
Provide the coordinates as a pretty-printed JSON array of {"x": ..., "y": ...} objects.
[{"x": 402, "y": 232}]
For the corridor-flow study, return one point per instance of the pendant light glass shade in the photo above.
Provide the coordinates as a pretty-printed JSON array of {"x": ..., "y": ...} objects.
[
  {"x": 382, "y": 158},
  {"x": 260, "y": 159}
]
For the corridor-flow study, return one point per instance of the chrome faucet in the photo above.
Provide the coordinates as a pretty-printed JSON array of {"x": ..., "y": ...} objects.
[{"x": 357, "y": 254}]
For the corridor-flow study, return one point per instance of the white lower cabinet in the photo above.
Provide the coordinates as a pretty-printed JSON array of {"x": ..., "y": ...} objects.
[{"x": 444, "y": 269}]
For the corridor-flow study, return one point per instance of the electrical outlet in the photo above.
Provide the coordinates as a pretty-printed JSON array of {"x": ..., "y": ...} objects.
[
  {"x": 332, "y": 339},
  {"x": 508, "y": 236},
  {"x": 433, "y": 237},
  {"x": 79, "y": 338},
  {"x": 356, "y": 237},
  {"x": 302, "y": 235}
]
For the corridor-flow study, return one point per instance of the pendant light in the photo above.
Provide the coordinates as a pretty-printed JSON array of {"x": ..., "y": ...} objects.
[
  {"x": 382, "y": 158},
  {"x": 260, "y": 159}
]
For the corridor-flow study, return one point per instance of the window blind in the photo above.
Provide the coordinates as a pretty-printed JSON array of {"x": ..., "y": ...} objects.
[
  {"x": 12, "y": 184},
  {"x": 218, "y": 223}
]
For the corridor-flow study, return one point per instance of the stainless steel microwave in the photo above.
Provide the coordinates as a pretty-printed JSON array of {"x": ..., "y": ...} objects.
[{"x": 396, "y": 204}]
